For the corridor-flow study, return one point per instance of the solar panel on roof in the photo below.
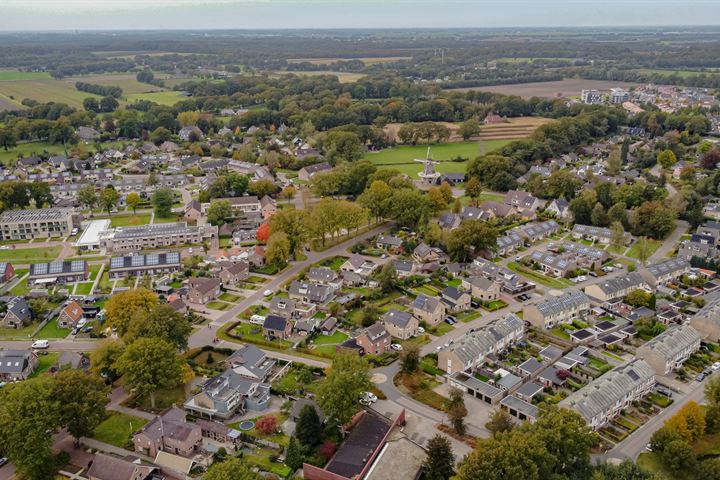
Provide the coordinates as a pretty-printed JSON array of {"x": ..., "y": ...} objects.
[
  {"x": 77, "y": 266},
  {"x": 41, "y": 269},
  {"x": 137, "y": 261},
  {"x": 55, "y": 267},
  {"x": 117, "y": 262},
  {"x": 152, "y": 259}
]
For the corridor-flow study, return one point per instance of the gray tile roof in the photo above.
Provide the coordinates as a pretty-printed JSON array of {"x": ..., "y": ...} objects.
[
  {"x": 398, "y": 318},
  {"x": 602, "y": 394},
  {"x": 673, "y": 341},
  {"x": 672, "y": 266},
  {"x": 14, "y": 361},
  {"x": 615, "y": 285},
  {"x": 481, "y": 342},
  {"x": 564, "y": 303}
]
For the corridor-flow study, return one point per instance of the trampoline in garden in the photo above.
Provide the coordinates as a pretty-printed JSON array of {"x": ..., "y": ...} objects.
[{"x": 246, "y": 425}]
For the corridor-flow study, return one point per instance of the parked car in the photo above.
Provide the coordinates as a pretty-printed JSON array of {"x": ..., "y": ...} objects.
[
  {"x": 74, "y": 231},
  {"x": 716, "y": 366},
  {"x": 3, "y": 461},
  {"x": 662, "y": 391},
  {"x": 700, "y": 377},
  {"x": 421, "y": 330},
  {"x": 40, "y": 344},
  {"x": 268, "y": 292},
  {"x": 397, "y": 347},
  {"x": 371, "y": 397}
]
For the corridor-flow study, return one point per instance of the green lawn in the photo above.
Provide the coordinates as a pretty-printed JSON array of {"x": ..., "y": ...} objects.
[
  {"x": 16, "y": 75},
  {"x": 18, "y": 333},
  {"x": 30, "y": 255},
  {"x": 117, "y": 429},
  {"x": 539, "y": 277},
  {"x": 279, "y": 438},
  {"x": 83, "y": 288},
  {"x": 650, "y": 462},
  {"x": 334, "y": 339},
  {"x": 262, "y": 461},
  {"x": 634, "y": 251},
  {"x": 229, "y": 297},
  {"x": 215, "y": 305},
  {"x": 168, "y": 98},
  {"x": 253, "y": 333},
  {"x": 440, "y": 329},
  {"x": 164, "y": 398},
  {"x": 45, "y": 363},
  {"x": 333, "y": 263},
  {"x": 51, "y": 330},
  {"x": 130, "y": 220},
  {"x": 94, "y": 270},
  {"x": 20, "y": 289},
  {"x": 402, "y": 157},
  {"x": 469, "y": 316}
]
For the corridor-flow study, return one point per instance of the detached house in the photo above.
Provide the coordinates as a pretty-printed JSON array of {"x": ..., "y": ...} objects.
[
  {"x": 203, "y": 290},
  {"x": 455, "y": 300},
  {"x": 310, "y": 171},
  {"x": 227, "y": 394},
  {"x": 168, "y": 432},
  {"x": 70, "y": 315},
  {"x": 17, "y": 314},
  {"x": 389, "y": 242},
  {"x": 399, "y": 324},
  {"x": 311, "y": 292},
  {"x": 250, "y": 362},
  {"x": 324, "y": 276},
  {"x": 374, "y": 340},
  {"x": 560, "y": 208},
  {"x": 428, "y": 309},
  {"x": 482, "y": 288},
  {"x": 276, "y": 326},
  {"x": 426, "y": 254},
  {"x": 235, "y": 273},
  {"x": 523, "y": 202},
  {"x": 17, "y": 364}
]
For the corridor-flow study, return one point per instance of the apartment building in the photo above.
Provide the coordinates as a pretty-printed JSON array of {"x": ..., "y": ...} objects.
[
  {"x": 162, "y": 235},
  {"x": 40, "y": 223}
]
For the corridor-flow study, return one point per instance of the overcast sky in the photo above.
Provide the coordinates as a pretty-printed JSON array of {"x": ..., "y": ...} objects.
[{"x": 254, "y": 14}]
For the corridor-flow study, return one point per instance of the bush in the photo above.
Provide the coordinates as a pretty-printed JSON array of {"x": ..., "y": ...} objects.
[{"x": 266, "y": 424}]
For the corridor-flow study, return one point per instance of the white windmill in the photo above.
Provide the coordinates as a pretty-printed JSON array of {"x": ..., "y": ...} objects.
[{"x": 428, "y": 175}]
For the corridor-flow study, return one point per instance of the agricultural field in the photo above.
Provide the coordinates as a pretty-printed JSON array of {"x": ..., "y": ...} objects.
[
  {"x": 512, "y": 129},
  {"x": 126, "y": 81},
  {"x": 168, "y": 97},
  {"x": 403, "y": 157},
  {"x": 43, "y": 90},
  {"x": 365, "y": 60},
  {"x": 29, "y": 149},
  {"x": 343, "y": 77},
  {"x": 570, "y": 87}
]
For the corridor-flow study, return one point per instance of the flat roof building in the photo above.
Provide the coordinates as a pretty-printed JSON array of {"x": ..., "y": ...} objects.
[
  {"x": 90, "y": 238},
  {"x": 39, "y": 223}
]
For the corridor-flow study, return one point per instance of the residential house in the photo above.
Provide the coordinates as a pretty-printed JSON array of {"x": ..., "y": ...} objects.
[
  {"x": 428, "y": 309},
  {"x": 605, "y": 397},
  {"x": 306, "y": 173},
  {"x": 488, "y": 209},
  {"x": 482, "y": 288},
  {"x": 324, "y": 276},
  {"x": 560, "y": 208},
  {"x": 669, "y": 350},
  {"x": 556, "y": 265},
  {"x": 404, "y": 268},
  {"x": 707, "y": 320},
  {"x": 536, "y": 231},
  {"x": 106, "y": 467},
  {"x": 251, "y": 362},
  {"x": 399, "y": 324},
  {"x": 59, "y": 272},
  {"x": 193, "y": 210},
  {"x": 235, "y": 273},
  {"x": 17, "y": 364},
  {"x": 508, "y": 243},
  {"x": 562, "y": 309},
  {"x": 168, "y": 432},
  {"x": 426, "y": 254},
  {"x": 665, "y": 271},
  {"x": 389, "y": 242},
  {"x": 276, "y": 326},
  {"x": 595, "y": 234},
  {"x": 70, "y": 315},
  {"x": 6, "y": 272},
  {"x": 456, "y": 300},
  {"x": 227, "y": 394},
  {"x": 374, "y": 340},
  {"x": 288, "y": 307},
  {"x": 190, "y": 133},
  {"x": 203, "y": 290},
  {"x": 17, "y": 314},
  {"x": 449, "y": 221},
  {"x": 359, "y": 265},
  {"x": 311, "y": 292},
  {"x": 523, "y": 202},
  {"x": 470, "y": 351},
  {"x": 617, "y": 287},
  {"x": 268, "y": 207}
]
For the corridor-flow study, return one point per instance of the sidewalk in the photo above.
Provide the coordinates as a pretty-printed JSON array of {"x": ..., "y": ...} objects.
[{"x": 117, "y": 396}]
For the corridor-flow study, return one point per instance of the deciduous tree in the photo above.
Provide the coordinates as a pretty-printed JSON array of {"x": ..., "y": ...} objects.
[
  {"x": 83, "y": 398},
  {"x": 308, "y": 428},
  {"x": 231, "y": 469},
  {"x": 347, "y": 379},
  {"x": 162, "y": 200},
  {"x": 121, "y": 308},
  {"x": 132, "y": 200},
  {"x": 440, "y": 461},
  {"x": 150, "y": 364},
  {"x": 109, "y": 198}
]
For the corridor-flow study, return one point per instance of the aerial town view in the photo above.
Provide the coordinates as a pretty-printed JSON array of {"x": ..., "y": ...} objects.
[{"x": 359, "y": 240}]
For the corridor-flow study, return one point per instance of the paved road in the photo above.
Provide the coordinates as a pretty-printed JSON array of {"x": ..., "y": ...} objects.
[
  {"x": 635, "y": 444},
  {"x": 668, "y": 245},
  {"x": 55, "y": 345},
  {"x": 205, "y": 336}
]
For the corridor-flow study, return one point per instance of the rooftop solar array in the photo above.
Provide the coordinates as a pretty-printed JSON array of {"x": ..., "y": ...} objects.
[
  {"x": 56, "y": 268},
  {"x": 156, "y": 230},
  {"x": 149, "y": 260},
  {"x": 38, "y": 215}
]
